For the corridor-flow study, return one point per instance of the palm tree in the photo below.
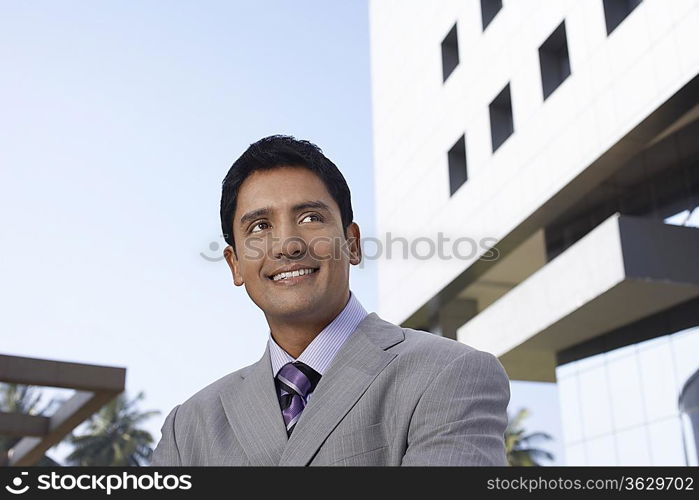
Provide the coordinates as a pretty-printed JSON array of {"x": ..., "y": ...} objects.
[
  {"x": 519, "y": 445},
  {"x": 16, "y": 398},
  {"x": 113, "y": 437}
]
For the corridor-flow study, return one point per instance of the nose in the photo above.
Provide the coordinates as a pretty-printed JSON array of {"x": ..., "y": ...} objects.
[{"x": 288, "y": 242}]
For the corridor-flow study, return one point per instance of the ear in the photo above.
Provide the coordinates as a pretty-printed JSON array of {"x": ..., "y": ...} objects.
[
  {"x": 353, "y": 244},
  {"x": 232, "y": 261}
]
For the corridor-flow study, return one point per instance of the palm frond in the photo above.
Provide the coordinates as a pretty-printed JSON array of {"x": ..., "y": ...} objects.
[
  {"x": 517, "y": 443},
  {"x": 112, "y": 436}
]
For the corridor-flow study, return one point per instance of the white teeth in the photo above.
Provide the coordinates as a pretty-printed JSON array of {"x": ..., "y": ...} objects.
[{"x": 292, "y": 274}]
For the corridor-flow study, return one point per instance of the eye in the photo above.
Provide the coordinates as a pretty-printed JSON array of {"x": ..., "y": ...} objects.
[
  {"x": 318, "y": 217},
  {"x": 252, "y": 230}
]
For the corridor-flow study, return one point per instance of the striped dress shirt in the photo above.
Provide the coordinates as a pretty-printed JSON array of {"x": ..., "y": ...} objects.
[{"x": 322, "y": 349}]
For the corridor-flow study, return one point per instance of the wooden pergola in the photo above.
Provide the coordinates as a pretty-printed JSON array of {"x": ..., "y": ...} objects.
[{"x": 94, "y": 386}]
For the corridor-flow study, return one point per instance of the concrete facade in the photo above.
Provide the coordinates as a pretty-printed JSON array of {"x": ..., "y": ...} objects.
[{"x": 552, "y": 143}]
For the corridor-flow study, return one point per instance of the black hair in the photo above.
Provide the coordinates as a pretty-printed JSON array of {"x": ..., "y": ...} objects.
[{"x": 278, "y": 151}]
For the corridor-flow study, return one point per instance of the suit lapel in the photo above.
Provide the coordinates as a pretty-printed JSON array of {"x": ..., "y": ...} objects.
[
  {"x": 356, "y": 365},
  {"x": 252, "y": 409}
]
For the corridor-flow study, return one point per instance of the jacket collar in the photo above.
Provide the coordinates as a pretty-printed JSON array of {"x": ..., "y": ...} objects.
[{"x": 253, "y": 409}]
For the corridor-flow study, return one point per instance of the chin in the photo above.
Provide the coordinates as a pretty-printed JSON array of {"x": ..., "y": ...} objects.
[{"x": 292, "y": 309}]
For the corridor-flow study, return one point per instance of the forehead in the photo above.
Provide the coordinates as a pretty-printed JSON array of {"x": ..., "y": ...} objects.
[{"x": 281, "y": 188}]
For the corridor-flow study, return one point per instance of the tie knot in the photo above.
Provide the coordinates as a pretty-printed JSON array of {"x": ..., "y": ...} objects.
[{"x": 298, "y": 378}]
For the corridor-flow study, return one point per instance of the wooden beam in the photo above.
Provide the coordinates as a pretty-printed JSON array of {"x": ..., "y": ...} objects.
[
  {"x": 21, "y": 424},
  {"x": 68, "y": 416},
  {"x": 44, "y": 372}
]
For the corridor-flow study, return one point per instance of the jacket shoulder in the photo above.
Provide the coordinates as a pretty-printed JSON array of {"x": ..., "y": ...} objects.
[
  {"x": 419, "y": 341},
  {"x": 433, "y": 352}
]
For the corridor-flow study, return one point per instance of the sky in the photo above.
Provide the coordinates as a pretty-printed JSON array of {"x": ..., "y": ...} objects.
[{"x": 119, "y": 121}]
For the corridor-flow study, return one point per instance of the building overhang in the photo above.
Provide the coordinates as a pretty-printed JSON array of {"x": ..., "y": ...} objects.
[
  {"x": 626, "y": 269},
  {"x": 521, "y": 242}
]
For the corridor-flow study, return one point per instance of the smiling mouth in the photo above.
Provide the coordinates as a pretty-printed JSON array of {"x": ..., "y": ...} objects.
[{"x": 294, "y": 276}]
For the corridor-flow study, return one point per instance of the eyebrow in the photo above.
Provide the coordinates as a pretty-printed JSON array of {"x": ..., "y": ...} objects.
[{"x": 261, "y": 212}]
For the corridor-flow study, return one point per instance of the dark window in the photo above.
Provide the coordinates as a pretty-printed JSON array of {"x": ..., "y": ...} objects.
[
  {"x": 457, "y": 165},
  {"x": 501, "y": 123},
  {"x": 489, "y": 9},
  {"x": 615, "y": 11},
  {"x": 554, "y": 61},
  {"x": 450, "y": 53}
]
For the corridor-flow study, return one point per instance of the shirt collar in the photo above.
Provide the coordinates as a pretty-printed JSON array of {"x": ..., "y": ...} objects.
[{"x": 322, "y": 349}]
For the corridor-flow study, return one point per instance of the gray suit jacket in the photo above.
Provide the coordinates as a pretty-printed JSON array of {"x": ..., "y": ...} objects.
[{"x": 391, "y": 396}]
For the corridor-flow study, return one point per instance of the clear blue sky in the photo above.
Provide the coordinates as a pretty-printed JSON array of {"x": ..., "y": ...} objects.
[{"x": 119, "y": 121}]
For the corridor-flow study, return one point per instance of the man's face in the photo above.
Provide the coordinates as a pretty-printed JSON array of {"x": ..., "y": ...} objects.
[{"x": 285, "y": 218}]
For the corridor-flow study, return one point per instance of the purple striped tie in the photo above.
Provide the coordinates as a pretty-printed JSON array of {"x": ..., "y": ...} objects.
[{"x": 295, "y": 382}]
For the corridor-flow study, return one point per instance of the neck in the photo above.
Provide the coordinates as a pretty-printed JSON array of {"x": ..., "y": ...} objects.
[{"x": 294, "y": 337}]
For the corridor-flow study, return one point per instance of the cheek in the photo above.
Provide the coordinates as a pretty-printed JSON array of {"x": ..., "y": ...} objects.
[
  {"x": 254, "y": 250},
  {"x": 250, "y": 263},
  {"x": 332, "y": 252},
  {"x": 325, "y": 249}
]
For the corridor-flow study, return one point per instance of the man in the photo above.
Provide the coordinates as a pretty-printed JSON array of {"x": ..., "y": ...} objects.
[{"x": 336, "y": 385}]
